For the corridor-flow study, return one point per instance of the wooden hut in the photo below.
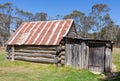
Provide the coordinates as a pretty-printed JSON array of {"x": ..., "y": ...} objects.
[{"x": 56, "y": 42}]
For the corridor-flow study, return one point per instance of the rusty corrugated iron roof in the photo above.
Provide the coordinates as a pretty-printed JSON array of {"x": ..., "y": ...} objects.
[{"x": 40, "y": 33}]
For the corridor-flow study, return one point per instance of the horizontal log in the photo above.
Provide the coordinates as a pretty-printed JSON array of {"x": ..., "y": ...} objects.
[
  {"x": 58, "y": 58},
  {"x": 35, "y": 55},
  {"x": 62, "y": 47},
  {"x": 62, "y": 57},
  {"x": 37, "y": 51},
  {"x": 38, "y": 60},
  {"x": 61, "y": 53},
  {"x": 62, "y": 61},
  {"x": 36, "y": 48},
  {"x": 8, "y": 57}
]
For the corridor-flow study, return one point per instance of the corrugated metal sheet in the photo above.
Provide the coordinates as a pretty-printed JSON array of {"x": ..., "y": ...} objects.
[{"x": 40, "y": 33}]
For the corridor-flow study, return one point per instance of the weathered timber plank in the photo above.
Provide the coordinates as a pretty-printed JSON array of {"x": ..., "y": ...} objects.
[
  {"x": 108, "y": 59},
  {"x": 62, "y": 53},
  {"x": 103, "y": 59},
  {"x": 68, "y": 54},
  {"x": 87, "y": 56},
  {"x": 62, "y": 57},
  {"x": 62, "y": 62},
  {"x": 80, "y": 57},
  {"x": 83, "y": 60},
  {"x": 36, "y": 48},
  {"x": 35, "y": 55},
  {"x": 63, "y": 48},
  {"x": 75, "y": 55},
  {"x": 13, "y": 54},
  {"x": 39, "y": 60},
  {"x": 37, "y": 51}
]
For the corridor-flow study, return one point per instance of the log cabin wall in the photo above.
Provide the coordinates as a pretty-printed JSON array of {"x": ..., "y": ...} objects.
[
  {"x": 42, "y": 35},
  {"x": 61, "y": 54},
  {"x": 40, "y": 54}
]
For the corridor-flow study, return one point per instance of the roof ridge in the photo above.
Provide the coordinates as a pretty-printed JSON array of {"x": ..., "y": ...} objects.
[{"x": 48, "y": 21}]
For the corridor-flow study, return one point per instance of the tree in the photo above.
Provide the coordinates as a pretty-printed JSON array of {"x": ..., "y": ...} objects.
[
  {"x": 40, "y": 16},
  {"x": 6, "y": 11},
  {"x": 21, "y": 16},
  {"x": 118, "y": 35},
  {"x": 24, "y": 15},
  {"x": 12, "y": 17},
  {"x": 82, "y": 22},
  {"x": 110, "y": 31},
  {"x": 100, "y": 17}
]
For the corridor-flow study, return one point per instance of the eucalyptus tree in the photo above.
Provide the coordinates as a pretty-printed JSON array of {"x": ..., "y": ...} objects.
[
  {"x": 100, "y": 17},
  {"x": 22, "y": 16},
  {"x": 40, "y": 16},
  {"x": 6, "y": 12},
  {"x": 83, "y": 23}
]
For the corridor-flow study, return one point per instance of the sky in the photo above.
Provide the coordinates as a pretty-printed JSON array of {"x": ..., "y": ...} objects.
[{"x": 63, "y": 7}]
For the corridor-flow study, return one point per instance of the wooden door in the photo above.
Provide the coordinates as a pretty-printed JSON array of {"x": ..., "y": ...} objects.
[{"x": 96, "y": 57}]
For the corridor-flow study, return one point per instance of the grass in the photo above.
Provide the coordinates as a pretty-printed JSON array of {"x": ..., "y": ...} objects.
[
  {"x": 27, "y": 71},
  {"x": 116, "y": 57}
]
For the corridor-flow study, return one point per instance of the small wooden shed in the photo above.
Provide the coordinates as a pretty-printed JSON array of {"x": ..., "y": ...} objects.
[
  {"x": 56, "y": 42},
  {"x": 95, "y": 55}
]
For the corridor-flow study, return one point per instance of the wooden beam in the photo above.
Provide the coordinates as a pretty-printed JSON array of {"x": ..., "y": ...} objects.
[
  {"x": 62, "y": 57},
  {"x": 36, "y": 48},
  {"x": 108, "y": 59},
  {"x": 87, "y": 56},
  {"x": 32, "y": 59},
  {"x": 13, "y": 53},
  {"x": 37, "y": 51},
  {"x": 35, "y": 55}
]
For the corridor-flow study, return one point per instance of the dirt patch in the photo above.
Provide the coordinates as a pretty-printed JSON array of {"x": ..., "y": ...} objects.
[{"x": 2, "y": 49}]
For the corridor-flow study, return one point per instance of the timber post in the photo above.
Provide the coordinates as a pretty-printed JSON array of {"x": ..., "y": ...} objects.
[
  {"x": 108, "y": 58},
  {"x": 13, "y": 54}
]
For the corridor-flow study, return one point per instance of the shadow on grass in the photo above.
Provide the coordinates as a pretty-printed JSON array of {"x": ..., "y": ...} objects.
[{"x": 115, "y": 76}]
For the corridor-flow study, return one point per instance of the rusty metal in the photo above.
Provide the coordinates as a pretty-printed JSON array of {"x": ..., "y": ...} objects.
[{"x": 40, "y": 33}]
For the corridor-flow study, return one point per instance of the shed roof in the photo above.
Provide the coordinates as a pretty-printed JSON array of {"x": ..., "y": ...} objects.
[{"x": 40, "y": 33}]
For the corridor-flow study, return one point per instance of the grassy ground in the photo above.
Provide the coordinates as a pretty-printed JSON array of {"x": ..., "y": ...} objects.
[
  {"x": 116, "y": 57},
  {"x": 26, "y": 71}
]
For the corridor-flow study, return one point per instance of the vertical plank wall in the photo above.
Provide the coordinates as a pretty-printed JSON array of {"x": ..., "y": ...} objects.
[
  {"x": 92, "y": 55},
  {"x": 77, "y": 53},
  {"x": 96, "y": 57}
]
